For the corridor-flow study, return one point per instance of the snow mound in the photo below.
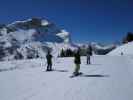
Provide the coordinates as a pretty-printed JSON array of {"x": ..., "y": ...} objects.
[{"x": 126, "y": 49}]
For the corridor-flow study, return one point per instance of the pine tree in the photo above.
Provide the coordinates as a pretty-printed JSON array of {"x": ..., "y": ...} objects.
[
  {"x": 62, "y": 54},
  {"x": 128, "y": 38}
]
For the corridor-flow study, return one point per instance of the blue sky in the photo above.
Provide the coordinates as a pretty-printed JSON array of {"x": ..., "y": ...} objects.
[{"x": 104, "y": 21}]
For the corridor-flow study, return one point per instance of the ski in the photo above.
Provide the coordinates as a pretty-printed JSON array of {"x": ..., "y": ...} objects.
[{"x": 72, "y": 76}]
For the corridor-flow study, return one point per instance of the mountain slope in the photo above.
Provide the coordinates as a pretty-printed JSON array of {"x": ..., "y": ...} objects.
[{"x": 126, "y": 49}]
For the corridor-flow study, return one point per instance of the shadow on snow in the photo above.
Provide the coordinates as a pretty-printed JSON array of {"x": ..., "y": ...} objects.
[
  {"x": 60, "y": 70},
  {"x": 95, "y": 75}
]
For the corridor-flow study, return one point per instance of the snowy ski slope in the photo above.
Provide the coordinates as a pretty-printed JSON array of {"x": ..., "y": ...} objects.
[
  {"x": 108, "y": 78},
  {"x": 126, "y": 49}
]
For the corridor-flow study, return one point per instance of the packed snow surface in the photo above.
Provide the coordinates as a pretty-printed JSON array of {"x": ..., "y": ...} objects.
[
  {"x": 107, "y": 78},
  {"x": 126, "y": 49}
]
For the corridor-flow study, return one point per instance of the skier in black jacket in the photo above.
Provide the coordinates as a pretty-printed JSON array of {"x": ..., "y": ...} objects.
[
  {"x": 77, "y": 62},
  {"x": 89, "y": 54},
  {"x": 49, "y": 61}
]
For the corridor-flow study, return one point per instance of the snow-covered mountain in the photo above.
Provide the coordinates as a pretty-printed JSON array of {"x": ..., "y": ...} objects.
[
  {"x": 38, "y": 30},
  {"x": 98, "y": 48},
  {"x": 125, "y": 49},
  {"x": 31, "y": 38},
  {"x": 102, "y": 49}
]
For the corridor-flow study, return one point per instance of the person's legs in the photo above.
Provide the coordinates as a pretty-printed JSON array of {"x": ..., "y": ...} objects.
[
  {"x": 50, "y": 67},
  {"x": 87, "y": 60},
  {"x": 90, "y": 60},
  {"x": 47, "y": 67},
  {"x": 77, "y": 68}
]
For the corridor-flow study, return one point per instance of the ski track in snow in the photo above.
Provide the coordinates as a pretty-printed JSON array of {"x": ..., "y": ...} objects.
[{"x": 107, "y": 78}]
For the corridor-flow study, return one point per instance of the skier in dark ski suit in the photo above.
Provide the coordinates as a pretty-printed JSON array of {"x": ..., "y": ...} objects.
[
  {"x": 77, "y": 62},
  {"x": 49, "y": 61},
  {"x": 89, "y": 54}
]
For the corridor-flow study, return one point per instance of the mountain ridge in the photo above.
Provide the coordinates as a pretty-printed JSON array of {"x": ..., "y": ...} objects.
[
  {"x": 27, "y": 36},
  {"x": 32, "y": 38}
]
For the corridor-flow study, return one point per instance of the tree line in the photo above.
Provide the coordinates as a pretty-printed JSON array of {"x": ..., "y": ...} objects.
[{"x": 128, "y": 37}]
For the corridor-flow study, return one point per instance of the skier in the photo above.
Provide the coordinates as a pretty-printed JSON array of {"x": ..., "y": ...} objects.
[
  {"x": 89, "y": 54},
  {"x": 49, "y": 61},
  {"x": 77, "y": 62}
]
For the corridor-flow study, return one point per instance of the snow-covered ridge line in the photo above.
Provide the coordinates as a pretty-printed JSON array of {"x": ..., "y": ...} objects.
[{"x": 16, "y": 22}]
